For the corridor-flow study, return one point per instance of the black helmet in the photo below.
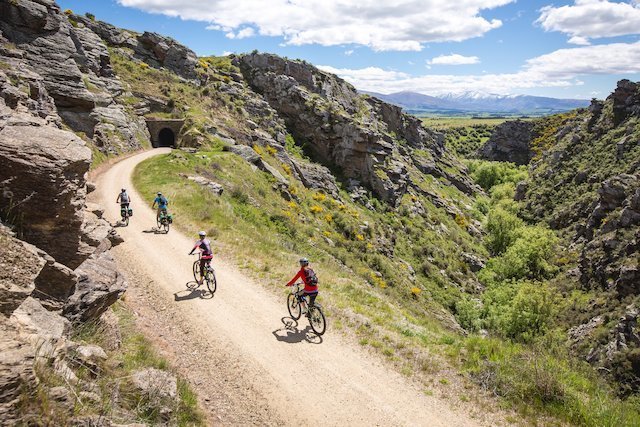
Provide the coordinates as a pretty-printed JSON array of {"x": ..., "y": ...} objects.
[
  {"x": 304, "y": 262},
  {"x": 123, "y": 190}
]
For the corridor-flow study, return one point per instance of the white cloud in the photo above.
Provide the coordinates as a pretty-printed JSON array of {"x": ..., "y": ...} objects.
[
  {"x": 242, "y": 34},
  {"x": 592, "y": 19},
  {"x": 348, "y": 52},
  {"x": 560, "y": 68},
  {"x": 391, "y": 25},
  {"x": 582, "y": 41},
  {"x": 454, "y": 59}
]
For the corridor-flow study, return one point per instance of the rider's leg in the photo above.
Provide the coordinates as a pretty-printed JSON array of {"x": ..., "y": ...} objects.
[
  {"x": 312, "y": 298},
  {"x": 203, "y": 266}
]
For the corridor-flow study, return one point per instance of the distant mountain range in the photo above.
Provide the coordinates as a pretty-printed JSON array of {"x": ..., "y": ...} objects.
[{"x": 478, "y": 103}]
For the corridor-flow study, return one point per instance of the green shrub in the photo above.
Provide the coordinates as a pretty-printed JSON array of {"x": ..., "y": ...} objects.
[
  {"x": 468, "y": 311},
  {"x": 503, "y": 228},
  {"x": 529, "y": 257},
  {"x": 489, "y": 174}
]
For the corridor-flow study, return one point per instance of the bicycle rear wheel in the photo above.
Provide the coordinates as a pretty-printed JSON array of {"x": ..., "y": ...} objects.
[
  {"x": 317, "y": 320},
  {"x": 212, "y": 283},
  {"x": 294, "y": 307},
  {"x": 196, "y": 270}
]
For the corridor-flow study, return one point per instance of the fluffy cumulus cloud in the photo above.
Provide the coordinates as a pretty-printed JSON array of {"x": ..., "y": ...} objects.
[
  {"x": 592, "y": 19},
  {"x": 560, "y": 68},
  {"x": 390, "y": 25},
  {"x": 454, "y": 59}
]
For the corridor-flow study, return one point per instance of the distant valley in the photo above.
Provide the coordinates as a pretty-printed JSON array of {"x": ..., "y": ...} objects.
[{"x": 479, "y": 104}]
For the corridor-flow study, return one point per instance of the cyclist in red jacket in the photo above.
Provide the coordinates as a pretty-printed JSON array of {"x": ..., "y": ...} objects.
[{"x": 310, "y": 280}]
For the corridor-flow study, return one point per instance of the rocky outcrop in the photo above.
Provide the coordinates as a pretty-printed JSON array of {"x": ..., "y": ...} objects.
[
  {"x": 99, "y": 286},
  {"x": 154, "y": 49},
  {"x": 625, "y": 100},
  {"x": 361, "y": 137},
  {"x": 510, "y": 142},
  {"x": 42, "y": 175},
  {"x": 67, "y": 70},
  {"x": 611, "y": 257}
]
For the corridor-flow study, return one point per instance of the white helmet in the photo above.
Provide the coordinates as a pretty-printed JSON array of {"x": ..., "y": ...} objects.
[{"x": 202, "y": 234}]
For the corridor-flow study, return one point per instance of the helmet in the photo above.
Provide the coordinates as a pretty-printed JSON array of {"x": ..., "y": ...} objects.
[
  {"x": 304, "y": 261},
  {"x": 123, "y": 190},
  {"x": 159, "y": 193},
  {"x": 202, "y": 234}
]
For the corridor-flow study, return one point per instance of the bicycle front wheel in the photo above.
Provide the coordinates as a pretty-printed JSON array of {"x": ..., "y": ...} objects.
[
  {"x": 196, "y": 270},
  {"x": 126, "y": 220},
  {"x": 317, "y": 320},
  {"x": 166, "y": 226},
  {"x": 212, "y": 283},
  {"x": 294, "y": 307}
]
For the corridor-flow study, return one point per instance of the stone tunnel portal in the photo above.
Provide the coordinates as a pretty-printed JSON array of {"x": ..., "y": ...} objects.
[{"x": 164, "y": 133}]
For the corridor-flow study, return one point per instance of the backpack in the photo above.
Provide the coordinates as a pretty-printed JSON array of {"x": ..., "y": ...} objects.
[{"x": 311, "y": 277}]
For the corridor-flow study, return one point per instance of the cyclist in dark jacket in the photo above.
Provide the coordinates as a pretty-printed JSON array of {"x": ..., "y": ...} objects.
[
  {"x": 206, "y": 254},
  {"x": 123, "y": 199}
]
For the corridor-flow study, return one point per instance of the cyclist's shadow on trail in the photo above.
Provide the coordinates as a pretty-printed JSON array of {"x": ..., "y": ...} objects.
[
  {"x": 155, "y": 230},
  {"x": 290, "y": 333},
  {"x": 192, "y": 292}
]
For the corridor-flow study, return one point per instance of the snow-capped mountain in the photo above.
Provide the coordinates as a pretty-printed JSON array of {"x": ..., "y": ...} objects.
[{"x": 480, "y": 102}]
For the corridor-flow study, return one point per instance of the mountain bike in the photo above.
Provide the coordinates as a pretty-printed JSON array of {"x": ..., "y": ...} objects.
[
  {"x": 125, "y": 213},
  {"x": 209, "y": 274},
  {"x": 298, "y": 304},
  {"x": 164, "y": 221}
]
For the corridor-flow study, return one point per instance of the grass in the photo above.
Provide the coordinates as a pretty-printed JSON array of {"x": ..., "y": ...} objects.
[
  {"x": 443, "y": 123},
  {"x": 375, "y": 298}
]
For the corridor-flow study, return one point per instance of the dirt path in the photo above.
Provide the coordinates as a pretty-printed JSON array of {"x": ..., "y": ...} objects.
[{"x": 249, "y": 366}]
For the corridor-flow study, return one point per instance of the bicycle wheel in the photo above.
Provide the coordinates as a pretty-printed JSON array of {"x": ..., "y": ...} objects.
[
  {"x": 294, "y": 307},
  {"x": 126, "y": 220},
  {"x": 166, "y": 226},
  {"x": 159, "y": 222},
  {"x": 196, "y": 270},
  {"x": 317, "y": 320},
  {"x": 210, "y": 278}
]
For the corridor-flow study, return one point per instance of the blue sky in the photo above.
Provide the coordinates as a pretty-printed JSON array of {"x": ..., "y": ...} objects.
[{"x": 564, "y": 49}]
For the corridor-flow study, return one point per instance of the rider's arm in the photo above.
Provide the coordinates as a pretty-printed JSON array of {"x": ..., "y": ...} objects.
[
  {"x": 194, "y": 248},
  {"x": 296, "y": 277}
]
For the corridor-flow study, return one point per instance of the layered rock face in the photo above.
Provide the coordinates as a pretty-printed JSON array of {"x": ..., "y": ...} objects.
[
  {"x": 48, "y": 56},
  {"x": 510, "y": 142},
  {"x": 344, "y": 130},
  {"x": 42, "y": 174}
]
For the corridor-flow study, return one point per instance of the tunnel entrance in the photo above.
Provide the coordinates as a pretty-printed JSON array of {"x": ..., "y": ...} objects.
[
  {"x": 164, "y": 132},
  {"x": 166, "y": 138}
]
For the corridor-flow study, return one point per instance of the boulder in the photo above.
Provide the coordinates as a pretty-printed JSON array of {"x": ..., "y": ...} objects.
[
  {"x": 48, "y": 161},
  {"x": 154, "y": 382},
  {"x": 54, "y": 284},
  {"x": 99, "y": 286},
  {"x": 36, "y": 320},
  {"x": 213, "y": 187},
  {"x": 20, "y": 264},
  {"x": 316, "y": 177},
  {"x": 91, "y": 356}
]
